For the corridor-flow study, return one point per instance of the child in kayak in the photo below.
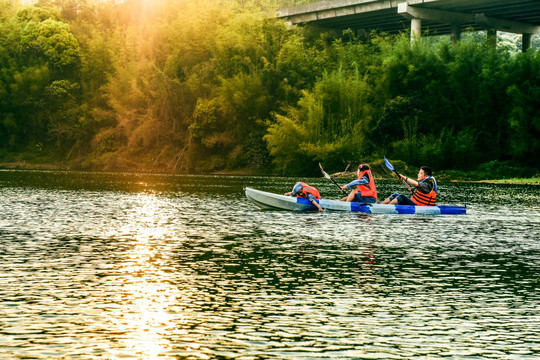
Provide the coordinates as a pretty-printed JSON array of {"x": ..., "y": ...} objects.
[
  {"x": 364, "y": 190},
  {"x": 303, "y": 190}
]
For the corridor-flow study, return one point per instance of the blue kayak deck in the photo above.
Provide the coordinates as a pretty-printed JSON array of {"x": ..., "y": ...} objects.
[{"x": 266, "y": 200}]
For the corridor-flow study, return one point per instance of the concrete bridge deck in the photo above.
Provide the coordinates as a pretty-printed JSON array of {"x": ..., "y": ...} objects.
[{"x": 440, "y": 17}]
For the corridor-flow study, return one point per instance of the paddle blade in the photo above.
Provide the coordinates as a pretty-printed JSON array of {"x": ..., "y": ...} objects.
[
  {"x": 324, "y": 173},
  {"x": 388, "y": 165}
]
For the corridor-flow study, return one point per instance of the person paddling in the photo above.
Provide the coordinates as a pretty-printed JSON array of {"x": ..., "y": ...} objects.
[
  {"x": 364, "y": 190},
  {"x": 424, "y": 194},
  {"x": 303, "y": 190}
]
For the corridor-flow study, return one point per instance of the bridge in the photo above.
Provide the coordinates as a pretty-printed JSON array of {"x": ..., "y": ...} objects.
[{"x": 440, "y": 17}]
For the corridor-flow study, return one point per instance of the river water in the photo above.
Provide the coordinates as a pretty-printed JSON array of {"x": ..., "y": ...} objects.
[{"x": 133, "y": 266}]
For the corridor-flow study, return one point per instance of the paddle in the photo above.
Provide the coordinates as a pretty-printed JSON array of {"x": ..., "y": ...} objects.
[
  {"x": 332, "y": 180},
  {"x": 391, "y": 168}
]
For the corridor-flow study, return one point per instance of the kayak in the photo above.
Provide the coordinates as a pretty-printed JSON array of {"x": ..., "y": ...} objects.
[{"x": 266, "y": 200}]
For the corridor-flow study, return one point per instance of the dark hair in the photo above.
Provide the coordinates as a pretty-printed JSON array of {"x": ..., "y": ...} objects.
[
  {"x": 427, "y": 170},
  {"x": 363, "y": 167}
]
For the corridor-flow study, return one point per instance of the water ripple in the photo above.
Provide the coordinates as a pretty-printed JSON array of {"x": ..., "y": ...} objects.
[{"x": 167, "y": 267}]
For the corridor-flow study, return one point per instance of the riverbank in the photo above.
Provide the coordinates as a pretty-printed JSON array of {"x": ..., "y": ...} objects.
[{"x": 378, "y": 169}]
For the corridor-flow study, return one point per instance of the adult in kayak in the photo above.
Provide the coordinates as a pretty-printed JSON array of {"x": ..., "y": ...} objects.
[
  {"x": 364, "y": 190},
  {"x": 303, "y": 190},
  {"x": 425, "y": 191}
]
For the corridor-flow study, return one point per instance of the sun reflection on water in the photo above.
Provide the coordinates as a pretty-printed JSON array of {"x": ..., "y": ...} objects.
[{"x": 148, "y": 321}]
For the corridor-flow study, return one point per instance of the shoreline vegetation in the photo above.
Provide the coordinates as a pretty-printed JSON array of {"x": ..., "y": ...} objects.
[
  {"x": 213, "y": 87},
  {"x": 378, "y": 170}
]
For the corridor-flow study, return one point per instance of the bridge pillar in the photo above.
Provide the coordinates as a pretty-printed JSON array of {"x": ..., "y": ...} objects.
[
  {"x": 492, "y": 37},
  {"x": 455, "y": 19},
  {"x": 526, "y": 42},
  {"x": 455, "y": 33},
  {"x": 416, "y": 29}
]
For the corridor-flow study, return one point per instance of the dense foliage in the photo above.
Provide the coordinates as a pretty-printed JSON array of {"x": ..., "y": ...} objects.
[{"x": 222, "y": 85}]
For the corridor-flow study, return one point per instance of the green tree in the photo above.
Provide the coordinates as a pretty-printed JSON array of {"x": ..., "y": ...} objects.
[
  {"x": 39, "y": 52},
  {"x": 524, "y": 116},
  {"x": 334, "y": 119},
  {"x": 51, "y": 40}
]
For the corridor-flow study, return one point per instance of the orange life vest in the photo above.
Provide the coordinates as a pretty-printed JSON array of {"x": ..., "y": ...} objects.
[
  {"x": 421, "y": 199},
  {"x": 310, "y": 190},
  {"x": 367, "y": 189}
]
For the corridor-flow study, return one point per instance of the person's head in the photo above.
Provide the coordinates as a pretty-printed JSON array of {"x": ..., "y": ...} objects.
[
  {"x": 298, "y": 191},
  {"x": 424, "y": 173},
  {"x": 363, "y": 167}
]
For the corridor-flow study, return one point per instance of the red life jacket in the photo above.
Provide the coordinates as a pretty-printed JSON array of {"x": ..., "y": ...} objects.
[
  {"x": 421, "y": 199},
  {"x": 367, "y": 189},
  {"x": 310, "y": 190}
]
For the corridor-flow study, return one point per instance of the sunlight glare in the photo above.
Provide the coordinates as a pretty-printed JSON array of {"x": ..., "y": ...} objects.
[
  {"x": 148, "y": 293},
  {"x": 150, "y": 328}
]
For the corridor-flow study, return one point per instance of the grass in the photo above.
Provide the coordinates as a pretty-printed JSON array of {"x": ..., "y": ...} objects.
[{"x": 524, "y": 181}]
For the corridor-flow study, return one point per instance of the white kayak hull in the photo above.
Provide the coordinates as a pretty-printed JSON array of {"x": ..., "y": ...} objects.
[{"x": 266, "y": 200}]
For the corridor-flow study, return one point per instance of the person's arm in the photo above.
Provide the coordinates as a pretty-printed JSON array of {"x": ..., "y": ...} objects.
[
  {"x": 314, "y": 202},
  {"x": 317, "y": 205},
  {"x": 410, "y": 181},
  {"x": 354, "y": 183}
]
